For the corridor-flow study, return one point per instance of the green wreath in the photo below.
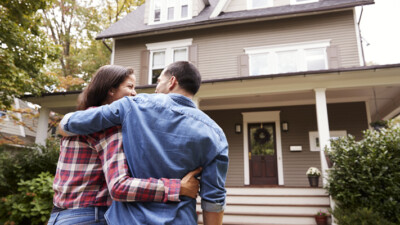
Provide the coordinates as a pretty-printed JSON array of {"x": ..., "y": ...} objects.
[{"x": 262, "y": 136}]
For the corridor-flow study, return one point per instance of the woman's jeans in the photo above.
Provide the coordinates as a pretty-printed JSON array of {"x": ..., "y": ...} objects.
[{"x": 89, "y": 215}]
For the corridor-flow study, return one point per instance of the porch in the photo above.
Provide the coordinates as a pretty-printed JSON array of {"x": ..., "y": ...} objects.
[{"x": 272, "y": 205}]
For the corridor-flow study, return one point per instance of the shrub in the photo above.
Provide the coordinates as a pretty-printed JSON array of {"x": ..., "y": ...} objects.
[
  {"x": 26, "y": 164},
  {"x": 366, "y": 174},
  {"x": 359, "y": 216},
  {"x": 32, "y": 204}
]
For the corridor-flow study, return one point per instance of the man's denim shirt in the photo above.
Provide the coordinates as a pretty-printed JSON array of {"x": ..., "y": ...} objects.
[{"x": 163, "y": 136}]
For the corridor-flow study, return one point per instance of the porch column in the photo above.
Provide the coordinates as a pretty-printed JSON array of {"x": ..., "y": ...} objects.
[
  {"x": 323, "y": 129},
  {"x": 196, "y": 101},
  {"x": 43, "y": 123}
]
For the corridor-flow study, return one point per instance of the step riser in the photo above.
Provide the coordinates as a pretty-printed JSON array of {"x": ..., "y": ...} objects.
[
  {"x": 278, "y": 200},
  {"x": 238, "y": 219},
  {"x": 276, "y": 191},
  {"x": 271, "y": 210}
]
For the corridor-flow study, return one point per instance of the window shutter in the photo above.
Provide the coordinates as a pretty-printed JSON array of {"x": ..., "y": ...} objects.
[
  {"x": 333, "y": 57},
  {"x": 144, "y": 67},
  {"x": 193, "y": 54},
  {"x": 243, "y": 63}
]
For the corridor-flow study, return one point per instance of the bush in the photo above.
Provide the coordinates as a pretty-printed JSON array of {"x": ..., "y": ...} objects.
[
  {"x": 26, "y": 164},
  {"x": 32, "y": 204},
  {"x": 366, "y": 174},
  {"x": 360, "y": 216}
]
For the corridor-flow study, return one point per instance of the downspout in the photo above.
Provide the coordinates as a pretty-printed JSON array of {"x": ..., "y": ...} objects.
[
  {"x": 104, "y": 42},
  {"x": 359, "y": 33}
]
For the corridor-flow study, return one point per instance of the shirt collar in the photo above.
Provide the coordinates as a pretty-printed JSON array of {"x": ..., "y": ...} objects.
[{"x": 182, "y": 100}]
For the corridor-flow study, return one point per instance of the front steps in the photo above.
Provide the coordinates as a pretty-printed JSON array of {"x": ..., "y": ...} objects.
[{"x": 272, "y": 205}]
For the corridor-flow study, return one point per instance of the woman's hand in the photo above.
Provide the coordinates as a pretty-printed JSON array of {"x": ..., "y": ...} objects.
[{"x": 190, "y": 185}]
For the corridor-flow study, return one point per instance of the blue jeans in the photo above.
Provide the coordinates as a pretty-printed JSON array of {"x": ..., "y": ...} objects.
[{"x": 81, "y": 216}]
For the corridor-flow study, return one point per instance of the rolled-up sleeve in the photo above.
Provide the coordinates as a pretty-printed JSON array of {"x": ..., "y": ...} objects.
[{"x": 213, "y": 177}]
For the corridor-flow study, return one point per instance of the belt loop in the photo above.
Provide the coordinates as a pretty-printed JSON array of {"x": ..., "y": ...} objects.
[{"x": 96, "y": 214}]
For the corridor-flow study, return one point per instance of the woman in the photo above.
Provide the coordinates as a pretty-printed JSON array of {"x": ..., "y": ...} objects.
[{"x": 92, "y": 169}]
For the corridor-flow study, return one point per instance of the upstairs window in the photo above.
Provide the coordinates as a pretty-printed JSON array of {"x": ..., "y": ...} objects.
[
  {"x": 165, "y": 53},
  {"x": 255, "y": 4},
  {"x": 295, "y": 2},
  {"x": 169, "y": 11},
  {"x": 288, "y": 58}
]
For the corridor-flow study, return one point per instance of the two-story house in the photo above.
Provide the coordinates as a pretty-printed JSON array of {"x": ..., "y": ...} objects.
[{"x": 281, "y": 77}]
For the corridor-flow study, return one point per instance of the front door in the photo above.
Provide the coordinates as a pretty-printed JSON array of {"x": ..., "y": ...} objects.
[{"x": 262, "y": 154}]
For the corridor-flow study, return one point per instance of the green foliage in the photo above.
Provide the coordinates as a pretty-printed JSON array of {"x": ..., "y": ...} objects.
[
  {"x": 366, "y": 174},
  {"x": 26, "y": 164},
  {"x": 32, "y": 203},
  {"x": 359, "y": 216},
  {"x": 23, "y": 50}
]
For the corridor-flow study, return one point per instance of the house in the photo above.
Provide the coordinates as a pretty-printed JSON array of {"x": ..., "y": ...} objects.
[
  {"x": 281, "y": 77},
  {"x": 18, "y": 126}
]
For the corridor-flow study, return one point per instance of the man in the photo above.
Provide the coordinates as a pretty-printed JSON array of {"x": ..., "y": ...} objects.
[{"x": 165, "y": 135}]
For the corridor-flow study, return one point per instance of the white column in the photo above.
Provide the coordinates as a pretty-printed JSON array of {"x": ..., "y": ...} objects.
[
  {"x": 196, "y": 101},
  {"x": 41, "y": 132},
  {"x": 323, "y": 129}
]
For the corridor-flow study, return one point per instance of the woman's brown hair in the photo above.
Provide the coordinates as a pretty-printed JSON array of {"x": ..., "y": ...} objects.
[{"x": 105, "y": 78}]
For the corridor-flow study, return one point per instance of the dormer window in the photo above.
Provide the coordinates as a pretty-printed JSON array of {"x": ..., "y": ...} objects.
[{"x": 169, "y": 11}]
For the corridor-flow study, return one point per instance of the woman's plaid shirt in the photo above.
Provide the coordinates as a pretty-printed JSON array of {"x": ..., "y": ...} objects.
[{"x": 92, "y": 170}]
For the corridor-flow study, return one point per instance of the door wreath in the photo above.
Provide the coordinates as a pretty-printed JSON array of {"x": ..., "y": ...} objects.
[{"x": 262, "y": 136}]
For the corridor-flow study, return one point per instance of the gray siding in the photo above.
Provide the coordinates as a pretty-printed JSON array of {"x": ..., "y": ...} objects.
[
  {"x": 302, "y": 119},
  {"x": 219, "y": 48}
]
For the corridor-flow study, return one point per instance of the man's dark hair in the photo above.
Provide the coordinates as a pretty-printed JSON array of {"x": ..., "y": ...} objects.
[
  {"x": 187, "y": 75},
  {"x": 105, "y": 78}
]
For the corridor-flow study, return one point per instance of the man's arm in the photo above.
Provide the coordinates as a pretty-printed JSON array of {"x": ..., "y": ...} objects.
[
  {"x": 212, "y": 189},
  {"x": 212, "y": 218},
  {"x": 122, "y": 187}
]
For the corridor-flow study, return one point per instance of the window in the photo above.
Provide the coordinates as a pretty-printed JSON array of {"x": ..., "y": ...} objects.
[
  {"x": 4, "y": 116},
  {"x": 171, "y": 10},
  {"x": 165, "y": 53},
  {"x": 255, "y": 4},
  {"x": 314, "y": 138},
  {"x": 294, "y": 2},
  {"x": 288, "y": 58}
]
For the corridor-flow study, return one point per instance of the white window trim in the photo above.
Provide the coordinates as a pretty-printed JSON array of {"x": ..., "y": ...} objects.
[
  {"x": 295, "y": 2},
  {"x": 262, "y": 117},
  {"x": 313, "y": 135},
  {"x": 168, "y": 47},
  {"x": 300, "y": 46},
  {"x": 249, "y": 5},
  {"x": 164, "y": 13}
]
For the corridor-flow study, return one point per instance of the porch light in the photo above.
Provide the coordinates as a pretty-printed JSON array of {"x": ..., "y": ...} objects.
[
  {"x": 285, "y": 126},
  {"x": 238, "y": 128}
]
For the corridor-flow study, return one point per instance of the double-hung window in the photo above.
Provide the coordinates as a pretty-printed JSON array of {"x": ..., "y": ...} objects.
[
  {"x": 295, "y": 2},
  {"x": 256, "y": 4},
  {"x": 288, "y": 58},
  {"x": 169, "y": 11},
  {"x": 165, "y": 53}
]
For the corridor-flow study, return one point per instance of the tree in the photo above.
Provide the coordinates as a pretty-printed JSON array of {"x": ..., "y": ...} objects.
[
  {"x": 73, "y": 26},
  {"x": 24, "y": 50}
]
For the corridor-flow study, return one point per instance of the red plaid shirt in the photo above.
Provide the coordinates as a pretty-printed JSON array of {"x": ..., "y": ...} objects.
[{"x": 88, "y": 164}]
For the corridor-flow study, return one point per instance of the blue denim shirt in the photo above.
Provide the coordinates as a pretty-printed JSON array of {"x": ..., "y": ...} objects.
[{"x": 163, "y": 136}]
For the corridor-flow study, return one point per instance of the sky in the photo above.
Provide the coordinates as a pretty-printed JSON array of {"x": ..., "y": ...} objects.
[{"x": 380, "y": 29}]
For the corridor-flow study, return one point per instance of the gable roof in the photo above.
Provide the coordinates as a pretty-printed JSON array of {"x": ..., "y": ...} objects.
[{"x": 133, "y": 23}]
